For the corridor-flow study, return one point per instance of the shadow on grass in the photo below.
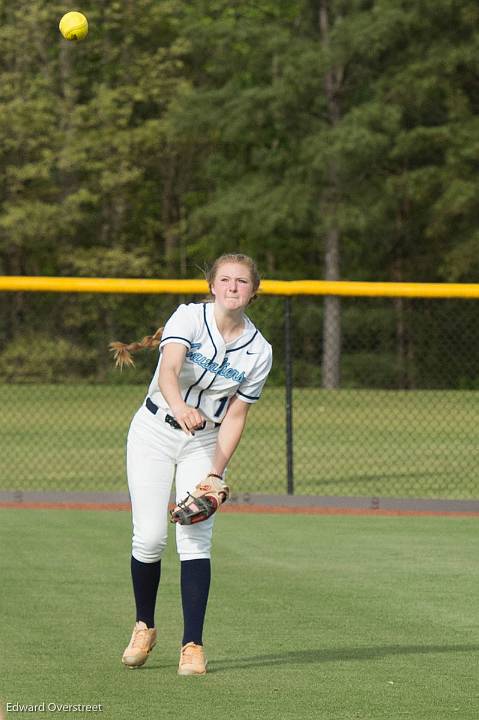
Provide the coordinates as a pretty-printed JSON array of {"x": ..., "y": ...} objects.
[{"x": 336, "y": 655}]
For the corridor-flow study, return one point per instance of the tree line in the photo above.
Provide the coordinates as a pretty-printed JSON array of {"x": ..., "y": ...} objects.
[{"x": 334, "y": 139}]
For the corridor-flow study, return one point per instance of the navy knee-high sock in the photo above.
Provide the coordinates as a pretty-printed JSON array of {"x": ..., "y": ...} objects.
[
  {"x": 195, "y": 585},
  {"x": 146, "y": 578}
]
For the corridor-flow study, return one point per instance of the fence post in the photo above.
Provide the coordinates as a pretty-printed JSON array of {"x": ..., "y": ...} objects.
[{"x": 288, "y": 366}]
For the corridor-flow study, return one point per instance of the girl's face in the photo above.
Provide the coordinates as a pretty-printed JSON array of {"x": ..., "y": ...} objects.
[{"x": 232, "y": 286}]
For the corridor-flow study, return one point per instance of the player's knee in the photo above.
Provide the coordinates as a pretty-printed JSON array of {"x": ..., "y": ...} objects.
[
  {"x": 194, "y": 541},
  {"x": 149, "y": 548}
]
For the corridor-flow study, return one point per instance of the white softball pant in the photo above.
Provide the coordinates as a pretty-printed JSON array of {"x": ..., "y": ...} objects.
[{"x": 156, "y": 455}]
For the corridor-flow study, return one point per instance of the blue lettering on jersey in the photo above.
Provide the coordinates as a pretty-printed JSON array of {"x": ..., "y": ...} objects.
[{"x": 224, "y": 369}]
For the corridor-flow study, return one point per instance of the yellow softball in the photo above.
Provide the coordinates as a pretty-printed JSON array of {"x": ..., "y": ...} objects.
[{"x": 74, "y": 26}]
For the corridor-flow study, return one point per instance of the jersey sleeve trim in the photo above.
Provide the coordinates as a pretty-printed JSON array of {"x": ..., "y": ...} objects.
[
  {"x": 175, "y": 337},
  {"x": 250, "y": 397}
]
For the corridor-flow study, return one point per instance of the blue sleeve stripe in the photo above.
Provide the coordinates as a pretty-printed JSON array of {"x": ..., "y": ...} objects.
[
  {"x": 175, "y": 337},
  {"x": 250, "y": 397}
]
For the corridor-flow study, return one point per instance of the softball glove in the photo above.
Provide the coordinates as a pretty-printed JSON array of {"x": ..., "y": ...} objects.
[{"x": 202, "y": 502}]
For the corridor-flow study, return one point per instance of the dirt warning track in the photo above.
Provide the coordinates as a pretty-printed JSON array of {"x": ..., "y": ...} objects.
[{"x": 251, "y": 508}]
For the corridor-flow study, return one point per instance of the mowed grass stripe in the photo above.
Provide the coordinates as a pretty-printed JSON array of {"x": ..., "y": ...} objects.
[{"x": 309, "y": 617}]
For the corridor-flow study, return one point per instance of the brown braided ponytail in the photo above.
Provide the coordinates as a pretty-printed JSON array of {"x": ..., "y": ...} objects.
[{"x": 122, "y": 351}]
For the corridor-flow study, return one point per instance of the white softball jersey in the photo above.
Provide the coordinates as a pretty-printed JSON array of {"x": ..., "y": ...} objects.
[
  {"x": 213, "y": 370},
  {"x": 158, "y": 454}
]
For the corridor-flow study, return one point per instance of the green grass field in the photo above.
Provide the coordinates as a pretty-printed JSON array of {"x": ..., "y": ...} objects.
[
  {"x": 348, "y": 442},
  {"x": 312, "y": 617}
]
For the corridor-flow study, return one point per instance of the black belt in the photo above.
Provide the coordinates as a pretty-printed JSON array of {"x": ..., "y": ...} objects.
[{"x": 153, "y": 408}]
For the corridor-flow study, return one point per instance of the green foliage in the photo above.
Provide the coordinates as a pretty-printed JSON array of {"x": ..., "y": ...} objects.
[
  {"x": 34, "y": 357},
  {"x": 179, "y": 130}
]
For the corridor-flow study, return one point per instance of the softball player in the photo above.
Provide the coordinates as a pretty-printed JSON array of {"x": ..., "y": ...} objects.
[{"x": 213, "y": 365}]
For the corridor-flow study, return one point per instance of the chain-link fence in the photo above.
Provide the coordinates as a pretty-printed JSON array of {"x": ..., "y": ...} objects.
[{"x": 388, "y": 406}]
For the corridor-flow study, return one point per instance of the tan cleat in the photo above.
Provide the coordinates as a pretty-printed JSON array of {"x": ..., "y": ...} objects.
[
  {"x": 142, "y": 642},
  {"x": 192, "y": 660}
]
